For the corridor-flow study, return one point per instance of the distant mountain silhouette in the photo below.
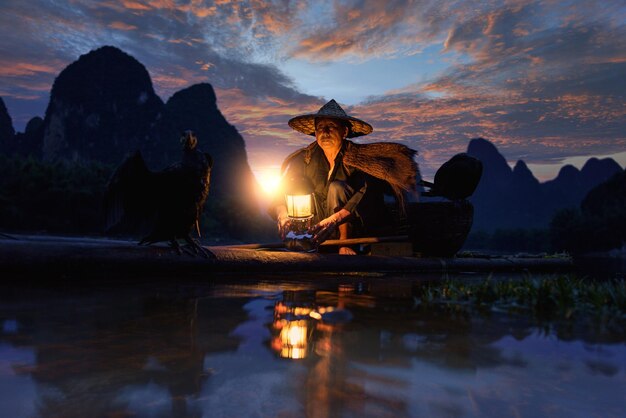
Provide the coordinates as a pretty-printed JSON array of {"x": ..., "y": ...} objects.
[
  {"x": 24, "y": 144},
  {"x": 571, "y": 184},
  {"x": 29, "y": 142},
  {"x": 7, "y": 133},
  {"x": 513, "y": 198},
  {"x": 102, "y": 107},
  {"x": 501, "y": 198}
]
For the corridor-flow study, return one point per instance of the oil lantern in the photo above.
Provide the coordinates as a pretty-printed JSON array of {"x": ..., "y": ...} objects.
[{"x": 300, "y": 202}]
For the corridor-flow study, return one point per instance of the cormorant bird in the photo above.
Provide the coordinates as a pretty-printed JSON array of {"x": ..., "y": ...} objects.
[
  {"x": 171, "y": 200},
  {"x": 456, "y": 179}
]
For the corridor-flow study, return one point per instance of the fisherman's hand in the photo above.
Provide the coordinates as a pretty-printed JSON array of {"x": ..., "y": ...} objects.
[
  {"x": 323, "y": 230},
  {"x": 283, "y": 224}
]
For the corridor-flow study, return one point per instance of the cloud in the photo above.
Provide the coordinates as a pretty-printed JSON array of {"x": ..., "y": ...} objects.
[
  {"x": 122, "y": 26},
  {"x": 571, "y": 55},
  {"x": 170, "y": 80},
  {"x": 362, "y": 29},
  {"x": 17, "y": 69},
  {"x": 262, "y": 121},
  {"x": 196, "y": 7},
  {"x": 135, "y": 5},
  {"x": 25, "y": 97}
]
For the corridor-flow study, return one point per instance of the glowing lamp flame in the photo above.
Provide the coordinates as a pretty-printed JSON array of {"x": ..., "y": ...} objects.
[
  {"x": 299, "y": 198},
  {"x": 299, "y": 206}
]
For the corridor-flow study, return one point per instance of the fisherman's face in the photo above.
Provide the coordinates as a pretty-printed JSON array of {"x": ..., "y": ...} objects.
[{"x": 329, "y": 133}]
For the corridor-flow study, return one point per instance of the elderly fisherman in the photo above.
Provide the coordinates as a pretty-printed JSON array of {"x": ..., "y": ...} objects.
[{"x": 349, "y": 180}]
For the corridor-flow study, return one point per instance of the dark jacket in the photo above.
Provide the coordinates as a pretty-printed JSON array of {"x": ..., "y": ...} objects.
[{"x": 367, "y": 202}]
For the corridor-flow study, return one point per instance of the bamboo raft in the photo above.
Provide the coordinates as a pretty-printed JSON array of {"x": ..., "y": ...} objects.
[{"x": 89, "y": 257}]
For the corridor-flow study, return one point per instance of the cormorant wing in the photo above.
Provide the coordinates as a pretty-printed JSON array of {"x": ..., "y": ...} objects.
[{"x": 131, "y": 193}]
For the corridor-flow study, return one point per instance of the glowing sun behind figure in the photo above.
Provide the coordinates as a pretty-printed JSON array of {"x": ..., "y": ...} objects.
[{"x": 269, "y": 180}]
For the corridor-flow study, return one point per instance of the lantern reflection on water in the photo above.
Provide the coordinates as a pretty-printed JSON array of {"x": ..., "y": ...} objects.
[
  {"x": 294, "y": 326},
  {"x": 294, "y": 331},
  {"x": 294, "y": 339},
  {"x": 298, "y": 328}
]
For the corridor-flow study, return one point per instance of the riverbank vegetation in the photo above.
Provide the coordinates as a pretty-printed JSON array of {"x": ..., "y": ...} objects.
[
  {"x": 52, "y": 197},
  {"x": 560, "y": 298}
]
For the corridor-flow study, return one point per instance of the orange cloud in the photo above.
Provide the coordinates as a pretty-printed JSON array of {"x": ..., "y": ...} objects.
[
  {"x": 135, "y": 5},
  {"x": 18, "y": 69},
  {"x": 275, "y": 19},
  {"x": 181, "y": 41},
  {"x": 122, "y": 26},
  {"x": 165, "y": 82},
  {"x": 262, "y": 121},
  {"x": 37, "y": 85},
  {"x": 204, "y": 11},
  {"x": 169, "y": 81},
  {"x": 196, "y": 7},
  {"x": 20, "y": 96},
  {"x": 260, "y": 114}
]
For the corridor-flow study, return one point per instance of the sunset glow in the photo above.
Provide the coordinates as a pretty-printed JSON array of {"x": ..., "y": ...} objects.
[
  {"x": 541, "y": 80},
  {"x": 269, "y": 180}
]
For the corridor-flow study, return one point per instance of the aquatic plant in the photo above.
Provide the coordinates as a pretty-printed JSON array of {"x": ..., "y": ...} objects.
[{"x": 559, "y": 297}]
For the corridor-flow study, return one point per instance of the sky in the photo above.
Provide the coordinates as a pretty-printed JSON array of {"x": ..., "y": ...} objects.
[{"x": 545, "y": 81}]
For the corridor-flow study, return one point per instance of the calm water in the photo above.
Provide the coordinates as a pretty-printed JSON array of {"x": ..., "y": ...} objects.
[{"x": 335, "y": 346}]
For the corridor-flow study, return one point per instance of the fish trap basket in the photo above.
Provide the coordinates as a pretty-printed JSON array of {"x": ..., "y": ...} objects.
[{"x": 437, "y": 228}]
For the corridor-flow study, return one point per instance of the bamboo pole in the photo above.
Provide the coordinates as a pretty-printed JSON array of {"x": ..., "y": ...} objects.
[
  {"x": 329, "y": 242},
  {"x": 364, "y": 240}
]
